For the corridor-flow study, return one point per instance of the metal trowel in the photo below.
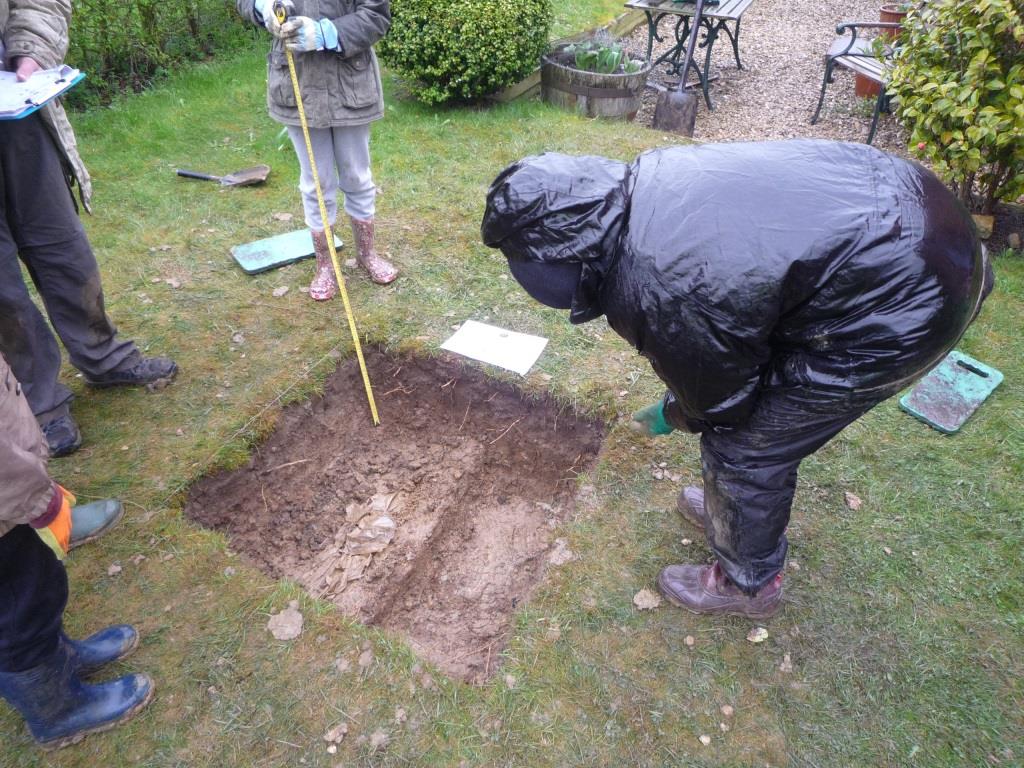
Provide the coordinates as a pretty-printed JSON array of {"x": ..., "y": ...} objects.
[{"x": 246, "y": 177}]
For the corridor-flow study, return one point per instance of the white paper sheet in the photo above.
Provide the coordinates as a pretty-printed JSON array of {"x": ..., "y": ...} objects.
[
  {"x": 18, "y": 99},
  {"x": 497, "y": 346}
]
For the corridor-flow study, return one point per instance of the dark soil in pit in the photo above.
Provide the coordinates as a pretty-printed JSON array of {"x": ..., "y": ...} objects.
[{"x": 436, "y": 524}]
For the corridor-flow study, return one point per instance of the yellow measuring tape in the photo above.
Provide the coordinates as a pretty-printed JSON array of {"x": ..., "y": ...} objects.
[{"x": 282, "y": 16}]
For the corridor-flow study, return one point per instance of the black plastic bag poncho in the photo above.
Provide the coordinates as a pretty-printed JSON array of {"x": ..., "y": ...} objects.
[{"x": 828, "y": 266}]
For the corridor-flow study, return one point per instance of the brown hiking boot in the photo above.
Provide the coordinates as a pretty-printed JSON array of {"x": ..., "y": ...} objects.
[
  {"x": 690, "y": 506},
  {"x": 706, "y": 589}
]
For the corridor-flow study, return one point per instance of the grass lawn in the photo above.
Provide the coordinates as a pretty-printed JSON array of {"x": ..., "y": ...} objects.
[
  {"x": 903, "y": 630},
  {"x": 574, "y": 15}
]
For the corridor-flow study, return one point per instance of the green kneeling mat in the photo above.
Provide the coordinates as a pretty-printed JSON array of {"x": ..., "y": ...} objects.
[
  {"x": 276, "y": 251},
  {"x": 951, "y": 392}
]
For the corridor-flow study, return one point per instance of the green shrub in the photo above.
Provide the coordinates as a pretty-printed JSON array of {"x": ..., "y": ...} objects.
[
  {"x": 460, "y": 50},
  {"x": 123, "y": 44},
  {"x": 959, "y": 81}
]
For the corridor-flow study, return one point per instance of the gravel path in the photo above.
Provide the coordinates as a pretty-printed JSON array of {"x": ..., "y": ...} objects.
[{"x": 782, "y": 47}]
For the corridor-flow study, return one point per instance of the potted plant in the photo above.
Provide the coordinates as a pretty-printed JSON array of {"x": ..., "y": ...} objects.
[
  {"x": 594, "y": 77},
  {"x": 894, "y": 13},
  {"x": 890, "y": 13}
]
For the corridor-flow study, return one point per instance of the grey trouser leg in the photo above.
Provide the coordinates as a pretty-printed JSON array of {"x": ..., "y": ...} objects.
[
  {"x": 342, "y": 162},
  {"x": 750, "y": 476},
  {"x": 41, "y": 227}
]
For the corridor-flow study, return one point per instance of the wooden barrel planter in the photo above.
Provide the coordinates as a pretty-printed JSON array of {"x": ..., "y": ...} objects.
[{"x": 590, "y": 93}]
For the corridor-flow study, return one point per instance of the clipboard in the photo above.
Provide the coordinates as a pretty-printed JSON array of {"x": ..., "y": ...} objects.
[{"x": 18, "y": 100}]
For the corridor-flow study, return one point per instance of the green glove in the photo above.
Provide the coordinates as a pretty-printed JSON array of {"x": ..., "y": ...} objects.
[{"x": 650, "y": 421}]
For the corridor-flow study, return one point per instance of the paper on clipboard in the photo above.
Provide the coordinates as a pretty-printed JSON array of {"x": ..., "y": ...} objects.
[
  {"x": 489, "y": 344},
  {"x": 20, "y": 99}
]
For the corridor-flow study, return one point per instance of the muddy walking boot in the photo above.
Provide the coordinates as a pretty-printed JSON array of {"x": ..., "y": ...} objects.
[
  {"x": 380, "y": 270},
  {"x": 690, "y": 506},
  {"x": 324, "y": 286},
  {"x": 154, "y": 372},
  {"x": 706, "y": 589},
  {"x": 62, "y": 436},
  {"x": 61, "y": 710}
]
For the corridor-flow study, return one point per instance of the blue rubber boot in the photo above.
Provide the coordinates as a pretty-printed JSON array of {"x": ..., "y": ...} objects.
[
  {"x": 107, "y": 645},
  {"x": 61, "y": 710},
  {"x": 92, "y": 520}
]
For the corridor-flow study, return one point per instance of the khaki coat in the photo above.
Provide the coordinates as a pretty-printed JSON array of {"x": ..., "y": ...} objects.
[
  {"x": 338, "y": 88},
  {"x": 25, "y": 486},
  {"x": 39, "y": 29}
]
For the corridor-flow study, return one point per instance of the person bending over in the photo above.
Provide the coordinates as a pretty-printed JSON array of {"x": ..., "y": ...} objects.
[{"x": 780, "y": 290}]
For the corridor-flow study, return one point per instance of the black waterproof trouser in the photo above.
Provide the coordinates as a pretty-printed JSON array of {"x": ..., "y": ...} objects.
[
  {"x": 750, "y": 475},
  {"x": 33, "y": 594},
  {"x": 39, "y": 224}
]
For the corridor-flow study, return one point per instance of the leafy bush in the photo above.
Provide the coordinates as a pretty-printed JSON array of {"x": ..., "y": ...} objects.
[
  {"x": 459, "y": 50},
  {"x": 124, "y": 44},
  {"x": 959, "y": 81}
]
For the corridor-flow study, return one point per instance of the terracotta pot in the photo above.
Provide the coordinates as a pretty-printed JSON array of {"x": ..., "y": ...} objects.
[
  {"x": 892, "y": 13},
  {"x": 864, "y": 88}
]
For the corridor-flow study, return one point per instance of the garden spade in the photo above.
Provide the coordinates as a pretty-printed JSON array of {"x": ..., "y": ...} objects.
[
  {"x": 247, "y": 177},
  {"x": 676, "y": 111}
]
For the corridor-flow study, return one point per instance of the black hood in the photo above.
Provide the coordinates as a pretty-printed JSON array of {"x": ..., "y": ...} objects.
[{"x": 559, "y": 209}]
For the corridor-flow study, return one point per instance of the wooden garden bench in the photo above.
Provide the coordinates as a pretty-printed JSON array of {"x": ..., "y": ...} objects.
[{"x": 857, "y": 53}]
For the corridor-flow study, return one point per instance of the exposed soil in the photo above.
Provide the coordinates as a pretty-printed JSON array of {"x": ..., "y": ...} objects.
[{"x": 437, "y": 523}]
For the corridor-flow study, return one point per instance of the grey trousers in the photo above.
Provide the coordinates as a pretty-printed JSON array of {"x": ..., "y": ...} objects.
[
  {"x": 342, "y": 162},
  {"x": 39, "y": 224}
]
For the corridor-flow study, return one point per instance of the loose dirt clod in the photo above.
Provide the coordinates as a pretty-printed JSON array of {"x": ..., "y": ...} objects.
[
  {"x": 757, "y": 635},
  {"x": 336, "y": 734},
  {"x": 428, "y": 524},
  {"x": 286, "y": 625},
  {"x": 646, "y": 600}
]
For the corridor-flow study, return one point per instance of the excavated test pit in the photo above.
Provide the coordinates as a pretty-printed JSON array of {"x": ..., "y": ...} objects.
[{"x": 437, "y": 524}]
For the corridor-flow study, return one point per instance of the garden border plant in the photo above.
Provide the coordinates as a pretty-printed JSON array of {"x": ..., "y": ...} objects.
[
  {"x": 958, "y": 80},
  {"x": 123, "y": 46},
  {"x": 463, "y": 50}
]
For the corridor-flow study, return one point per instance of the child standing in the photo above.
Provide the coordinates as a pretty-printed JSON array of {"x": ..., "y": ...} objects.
[{"x": 339, "y": 80}]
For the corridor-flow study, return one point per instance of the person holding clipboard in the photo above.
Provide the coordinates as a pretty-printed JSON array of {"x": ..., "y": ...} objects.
[{"x": 39, "y": 166}]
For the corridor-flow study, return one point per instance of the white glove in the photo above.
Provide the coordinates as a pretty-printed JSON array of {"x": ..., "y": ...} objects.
[
  {"x": 265, "y": 12},
  {"x": 301, "y": 34}
]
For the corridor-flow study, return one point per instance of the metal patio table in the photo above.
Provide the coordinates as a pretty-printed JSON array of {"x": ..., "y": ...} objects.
[{"x": 716, "y": 19}]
